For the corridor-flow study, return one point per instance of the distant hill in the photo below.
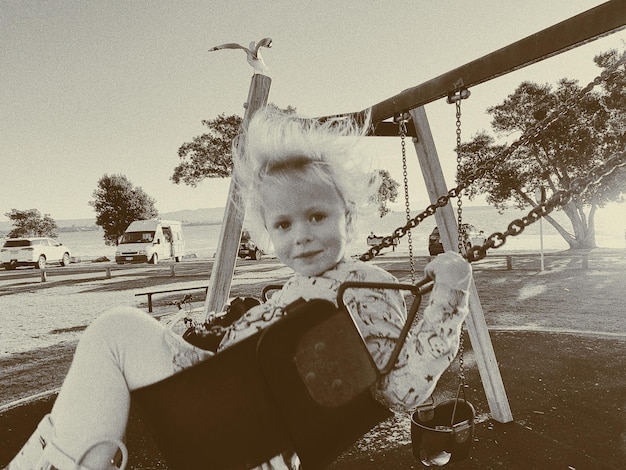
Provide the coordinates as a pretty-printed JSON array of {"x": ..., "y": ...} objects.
[
  {"x": 210, "y": 216},
  {"x": 68, "y": 223}
]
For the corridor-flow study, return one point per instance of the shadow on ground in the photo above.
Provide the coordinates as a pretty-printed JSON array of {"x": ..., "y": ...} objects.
[{"x": 566, "y": 392}]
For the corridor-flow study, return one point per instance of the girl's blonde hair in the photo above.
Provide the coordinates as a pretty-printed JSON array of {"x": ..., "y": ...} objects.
[{"x": 281, "y": 145}]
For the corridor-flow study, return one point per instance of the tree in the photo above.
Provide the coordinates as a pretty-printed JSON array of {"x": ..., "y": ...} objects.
[
  {"x": 387, "y": 191},
  {"x": 210, "y": 155},
  {"x": 117, "y": 203},
  {"x": 30, "y": 223},
  {"x": 578, "y": 133}
]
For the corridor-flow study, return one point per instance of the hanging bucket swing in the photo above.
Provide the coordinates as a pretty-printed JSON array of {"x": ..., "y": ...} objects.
[{"x": 443, "y": 433}]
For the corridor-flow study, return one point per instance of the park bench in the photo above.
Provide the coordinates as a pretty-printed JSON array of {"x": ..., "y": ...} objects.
[
  {"x": 374, "y": 240},
  {"x": 167, "y": 291}
]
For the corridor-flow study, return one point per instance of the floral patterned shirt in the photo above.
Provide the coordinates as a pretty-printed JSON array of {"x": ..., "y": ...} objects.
[{"x": 379, "y": 315}]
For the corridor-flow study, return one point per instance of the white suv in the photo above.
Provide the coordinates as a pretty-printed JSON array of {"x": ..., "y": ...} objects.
[{"x": 35, "y": 252}]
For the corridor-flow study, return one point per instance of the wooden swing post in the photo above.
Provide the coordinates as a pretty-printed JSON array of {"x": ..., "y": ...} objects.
[{"x": 234, "y": 213}]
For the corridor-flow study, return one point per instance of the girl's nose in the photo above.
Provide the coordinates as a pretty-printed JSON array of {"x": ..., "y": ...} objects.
[{"x": 302, "y": 233}]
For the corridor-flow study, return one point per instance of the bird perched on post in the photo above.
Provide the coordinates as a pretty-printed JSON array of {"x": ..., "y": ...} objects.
[{"x": 253, "y": 53}]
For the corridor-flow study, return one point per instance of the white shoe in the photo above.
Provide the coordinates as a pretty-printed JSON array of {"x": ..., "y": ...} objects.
[{"x": 41, "y": 453}]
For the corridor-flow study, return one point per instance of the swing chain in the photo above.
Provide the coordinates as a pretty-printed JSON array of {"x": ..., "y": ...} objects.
[
  {"x": 560, "y": 198},
  {"x": 496, "y": 240},
  {"x": 400, "y": 232},
  {"x": 549, "y": 120},
  {"x": 462, "y": 94},
  {"x": 531, "y": 134},
  {"x": 461, "y": 360},
  {"x": 402, "y": 122},
  {"x": 459, "y": 202}
]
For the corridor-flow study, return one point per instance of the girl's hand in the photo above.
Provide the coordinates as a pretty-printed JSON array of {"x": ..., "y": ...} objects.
[{"x": 449, "y": 269}]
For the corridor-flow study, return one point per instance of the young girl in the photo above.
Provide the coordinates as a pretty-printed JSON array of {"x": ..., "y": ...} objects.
[{"x": 305, "y": 185}]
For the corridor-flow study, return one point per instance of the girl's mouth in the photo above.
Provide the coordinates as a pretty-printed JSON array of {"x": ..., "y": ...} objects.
[{"x": 308, "y": 254}]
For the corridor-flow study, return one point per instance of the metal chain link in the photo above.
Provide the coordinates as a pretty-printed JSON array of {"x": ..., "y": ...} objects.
[
  {"x": 461, "y": 356},
  {"x": 525, "y": 138},
  {"x": 460, "y": 238},
  {"x": 496, "y": 240},
  {"x": 402, "y": 126},
  {"x": 560, "y": 198},
  {"x": 459, "y": 201}
]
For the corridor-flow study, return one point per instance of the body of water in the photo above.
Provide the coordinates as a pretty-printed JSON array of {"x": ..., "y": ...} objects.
[
  {"x": 201, "y": 240},
  {"x": 610, "y": 225}
]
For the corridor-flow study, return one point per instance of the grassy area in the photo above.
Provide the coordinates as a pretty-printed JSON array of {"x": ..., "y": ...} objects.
[{"x": 566, "y": 390}]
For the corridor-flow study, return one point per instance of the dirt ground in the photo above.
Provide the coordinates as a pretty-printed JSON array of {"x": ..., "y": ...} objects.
[{"x": 560, "y": 342}]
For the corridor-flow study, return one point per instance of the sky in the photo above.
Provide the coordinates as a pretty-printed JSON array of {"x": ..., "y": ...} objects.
[{"x": 89, "y": 88}]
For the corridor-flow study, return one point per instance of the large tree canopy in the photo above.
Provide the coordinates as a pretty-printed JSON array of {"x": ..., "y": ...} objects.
[
  {"x": 208, "y": 155},
  {"x": 30, "y": 223},
  {"x": 578, "y": 132},
  {"x": 118, "y": 203}
]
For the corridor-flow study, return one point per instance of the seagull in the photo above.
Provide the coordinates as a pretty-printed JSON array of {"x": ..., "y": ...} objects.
[{"x": 253, "y": 53}]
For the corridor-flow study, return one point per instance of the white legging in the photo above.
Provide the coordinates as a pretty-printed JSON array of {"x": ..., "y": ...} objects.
[{"x": 122, "y": 350}]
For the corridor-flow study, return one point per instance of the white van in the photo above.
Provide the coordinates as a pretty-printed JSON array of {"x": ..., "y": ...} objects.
[{"x": 148, "y": 241}]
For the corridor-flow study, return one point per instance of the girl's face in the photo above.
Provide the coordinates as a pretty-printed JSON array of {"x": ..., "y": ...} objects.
[{"x": 306, "y": 220}]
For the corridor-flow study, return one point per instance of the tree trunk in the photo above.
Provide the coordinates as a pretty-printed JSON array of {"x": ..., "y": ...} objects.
[{"x": 584, "y": 227}]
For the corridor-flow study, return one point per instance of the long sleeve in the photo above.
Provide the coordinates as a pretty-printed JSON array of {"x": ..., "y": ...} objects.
[
  {"x": 432, "y": 344},
  {"x": 379, "y": 315}
]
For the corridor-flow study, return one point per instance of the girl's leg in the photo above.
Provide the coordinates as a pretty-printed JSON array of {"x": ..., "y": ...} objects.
[{"x": 120, "y": 351}]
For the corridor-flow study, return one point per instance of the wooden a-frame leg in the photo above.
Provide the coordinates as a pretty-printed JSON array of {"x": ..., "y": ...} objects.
[{"x": 234, "y": 213}]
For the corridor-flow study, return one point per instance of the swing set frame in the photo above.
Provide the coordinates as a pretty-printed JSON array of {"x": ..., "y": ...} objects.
[
  {"x": 597, "y": 22},
  {"x": 580, "y": 29}
]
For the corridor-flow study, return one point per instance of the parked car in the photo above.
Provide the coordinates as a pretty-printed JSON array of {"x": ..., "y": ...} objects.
[
  {"x": 247, "y": 248},
  {"x": 471, "y": 236},
  {"x": 36, "y": 251}
]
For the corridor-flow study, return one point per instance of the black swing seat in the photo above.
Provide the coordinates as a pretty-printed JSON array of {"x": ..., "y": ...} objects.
[
  {"x": 443, "y": 433},
  {"x": 300, "y": 385}
]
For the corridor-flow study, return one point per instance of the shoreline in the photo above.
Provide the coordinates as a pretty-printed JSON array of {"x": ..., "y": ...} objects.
[{"x": 399, "y": 251}]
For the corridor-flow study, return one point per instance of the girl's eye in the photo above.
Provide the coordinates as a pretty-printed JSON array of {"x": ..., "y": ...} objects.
[
  {"x": 318, "y": 217},
  {"x": 282, "y": 225}
]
